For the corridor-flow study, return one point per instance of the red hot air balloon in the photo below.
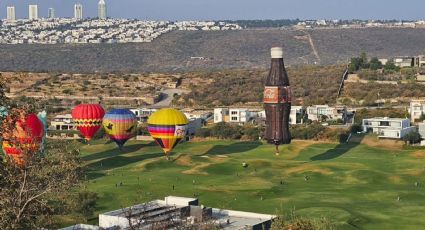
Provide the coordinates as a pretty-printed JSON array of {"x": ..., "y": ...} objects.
[
  {"x": 25, "y": 138},
  {"x": 88, "y": 119}
]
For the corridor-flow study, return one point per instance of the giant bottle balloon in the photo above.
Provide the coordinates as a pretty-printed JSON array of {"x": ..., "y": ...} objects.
[
  {"x": 88, "y": 119},
  {"x": 120, "y": 125},
  {"x": 168, "y": 128},
  {"x": 25, "y": 138},
  {"x": 277, "y": 101}
]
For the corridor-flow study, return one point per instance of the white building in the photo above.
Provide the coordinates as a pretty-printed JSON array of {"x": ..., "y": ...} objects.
[
  {"x": 404, "y": 61},
  {"x": 232, "y": 115},
  {"x": 32, "y": 12},
  {"x": 51, "y": 13},
  {"x": 197, "y": 114},
  {"x": 395, "y": 128},
  {"x": 11, "y": 15},
  {"x": 143, "y": 114},
  {"x": 101, "y": 8},
  {"x": 417, "y": 109},
  {"x": 296, "y": 115},
  {"x": 62, "y": 122},
  {"x": 78, "y": 11},
  {"x": 325, "y": 112},
  {"x": 180, "y": 211}
]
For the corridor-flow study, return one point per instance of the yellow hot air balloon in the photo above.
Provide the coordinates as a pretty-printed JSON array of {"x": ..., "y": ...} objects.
[{"x": 168, "y": 128}]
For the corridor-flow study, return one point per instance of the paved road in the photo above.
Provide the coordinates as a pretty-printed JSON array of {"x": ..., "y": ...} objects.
[{"x": 168, "y": 97}]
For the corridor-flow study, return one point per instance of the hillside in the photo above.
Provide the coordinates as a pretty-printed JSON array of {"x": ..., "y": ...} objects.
[{"x": 220, "y": 50}]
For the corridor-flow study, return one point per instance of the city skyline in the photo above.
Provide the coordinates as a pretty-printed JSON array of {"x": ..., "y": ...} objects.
[{"x": 222, "y": 9}]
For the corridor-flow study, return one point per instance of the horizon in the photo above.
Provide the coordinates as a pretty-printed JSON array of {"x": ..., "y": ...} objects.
[{"x": 178, "y": 10}]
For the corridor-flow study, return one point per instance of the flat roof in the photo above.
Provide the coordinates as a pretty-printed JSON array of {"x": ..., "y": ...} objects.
[{"x": 386, "y": 119}]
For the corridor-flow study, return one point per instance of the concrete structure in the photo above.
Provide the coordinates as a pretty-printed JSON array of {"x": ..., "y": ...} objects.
[
  {"x": 417, "y": 108},
  {"x": 62, "y": 122},
  {"x": 404, "y": 61},
  {"x": 142, "y": 114},
  {"x": 232, "y": 115},
  {"x": 420, "y": 61},
  {"x": 394, "y": 128},
  {"x": 11, "y": 13},
  {"x": 197, "y": 114},
  {"x": 296, "y": 115},
  {"x": 325, "y": 112},
  {"x": 78, "y": 11},
  {"x": 180, "y": 211},
  {"x": 32, "y": 12},
  {"x": 221, "y": 115},
  {"x": 239, "y": 115},
  {"x": 101, "y": 8},
  {"x": 82, "y": 227},
  {"x": 51, "y": 13}
]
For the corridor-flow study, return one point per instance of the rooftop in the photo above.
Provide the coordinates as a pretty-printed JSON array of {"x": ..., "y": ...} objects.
[{"x": 175, "y": 211}]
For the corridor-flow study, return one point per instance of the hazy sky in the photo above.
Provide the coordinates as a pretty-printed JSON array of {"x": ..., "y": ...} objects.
[{"x": 231, "y": 9}]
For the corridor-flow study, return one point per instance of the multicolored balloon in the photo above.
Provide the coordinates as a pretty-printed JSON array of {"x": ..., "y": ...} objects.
[
  {"x": 88, "y": 119},
  {"x": 120, "y": 125},
  {"x": 25, "y": 138},
  {"x": 168, "y": 128}
]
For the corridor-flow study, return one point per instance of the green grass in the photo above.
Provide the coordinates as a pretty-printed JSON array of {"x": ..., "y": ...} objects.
[{"x": 356, "y": 186}]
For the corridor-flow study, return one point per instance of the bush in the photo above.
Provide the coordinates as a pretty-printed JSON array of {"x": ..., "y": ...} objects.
[
  {"x": 204, "y": 132},
  {"x": 307, "y": 132},
  {"x": 226, "y": 131}
]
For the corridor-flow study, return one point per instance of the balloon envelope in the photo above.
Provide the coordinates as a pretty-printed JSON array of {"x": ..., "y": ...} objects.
[
  {"x": 25, "y": 138},
  {"x": 120, "y": 125},
  {"x": 88, "y": 119},
  {"x": 168, "y": 128}
]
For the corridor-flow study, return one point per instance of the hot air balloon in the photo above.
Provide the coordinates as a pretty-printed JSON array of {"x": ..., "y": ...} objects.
[
  {"x": 88, "y": 119},
  {"x": 24, "y": 138},
  {"x": 120, "y": 125},
  {"x": 168, "y": 128}
]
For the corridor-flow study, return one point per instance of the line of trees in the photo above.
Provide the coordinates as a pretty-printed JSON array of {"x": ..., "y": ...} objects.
[
  {"x": 362, "y": 62},
  {"x": 313, "y": 131}
]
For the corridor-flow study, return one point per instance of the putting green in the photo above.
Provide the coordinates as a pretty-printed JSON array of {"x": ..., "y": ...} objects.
[{"x": 354, "y": 185}]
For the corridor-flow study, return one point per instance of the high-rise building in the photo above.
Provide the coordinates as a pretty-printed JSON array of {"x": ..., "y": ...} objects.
[
  {"x": 32, "y": 12},
  {"x": 78, "y": 11},
  {"x": 11, "y": 16},
  {"x": 102, "y": 9},
  {"x": 51, "y": 13}
]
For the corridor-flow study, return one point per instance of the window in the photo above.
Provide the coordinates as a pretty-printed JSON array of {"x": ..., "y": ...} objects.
[
  {"x": 384, "y": 123},
  {"x": 234, "y": 118},
  {"x": 234, "y": 112}
]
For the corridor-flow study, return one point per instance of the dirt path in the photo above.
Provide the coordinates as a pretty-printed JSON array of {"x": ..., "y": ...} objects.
[{"x": 313, "y": 47}]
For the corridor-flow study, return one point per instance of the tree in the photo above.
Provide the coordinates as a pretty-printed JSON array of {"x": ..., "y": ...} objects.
[
  {"x": 375, "y": 64},
  {"x": 86, "y": 203},
  {"x": 412, "y": 138},
  {"x": 3, "y": 98},
  {"x": 364, "y": 61},
  {"x": 33, "y": 194},
  {"x": 390, "y": 66}
]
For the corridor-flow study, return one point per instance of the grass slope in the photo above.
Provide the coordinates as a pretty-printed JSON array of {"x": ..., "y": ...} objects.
[{"x": 355, "y": 185}]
